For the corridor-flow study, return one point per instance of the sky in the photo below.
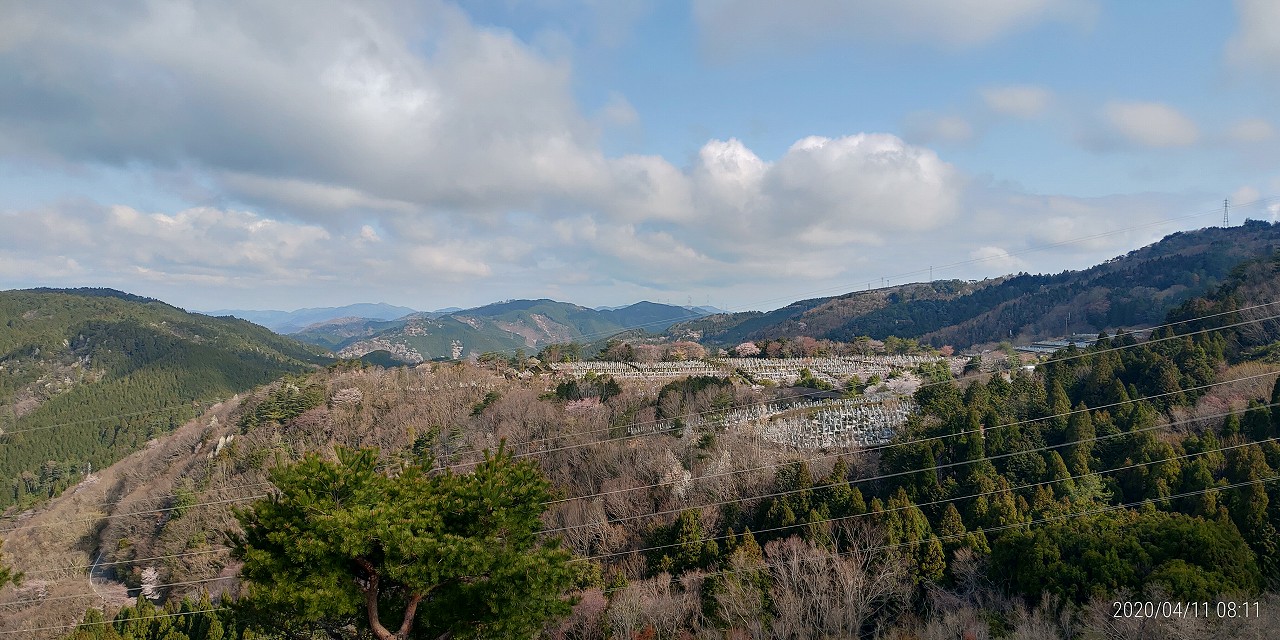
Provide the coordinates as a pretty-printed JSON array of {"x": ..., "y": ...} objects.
[{"x": 737, "y": 153}]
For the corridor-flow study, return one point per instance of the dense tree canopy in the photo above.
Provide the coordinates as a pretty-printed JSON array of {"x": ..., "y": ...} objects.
[
  {"x": 409, "y": 554},
  {"x": 102, "y": 372}
]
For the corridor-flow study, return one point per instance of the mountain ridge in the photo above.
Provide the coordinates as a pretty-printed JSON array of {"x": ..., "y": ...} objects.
[
  {"x": 1133, "y": 289},
  {"x": 286, "y": 322},
  {"x": 508, "y": 326},
  {"x": 200, "y": 470}
]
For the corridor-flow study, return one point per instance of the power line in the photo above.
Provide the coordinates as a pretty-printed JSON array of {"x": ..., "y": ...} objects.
[
  {"x": 95, "y": 595},
  {"x": 711, "y": 412},
  {"x": 1084, "y": 354},
  {"x": 801, "y": 395},
  {"x": 239, "y": 499},
  {"x": 94, "y": 624},
  {"x": 548, "y": 451},
  {"x": 167, "y": 556},
  {"x": 994, "y": 492},
  {"x": 1009, "y": 490},
  {"x": 704, "y": 477},
  {"x": 759, "y": 497},
  {"x": 917, "y": 441},
  {"x": 144, "y": 512},
  {"x": 897, "y": 474},
  {"x": 1015, "y": 525},
  {"x": 185, "y": 405},
  {"x": 165, "y": 498},
  {"x": 848, "y": 287},
  {"x": 646, "y": 434},
  {"x": 803, "y": 294},
  {"x": 769, "y": 564}
]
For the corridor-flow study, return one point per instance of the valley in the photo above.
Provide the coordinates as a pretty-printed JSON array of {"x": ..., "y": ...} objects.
[
  {"x": 636, "y": 320},
  {"x": 965, "y": 480}
]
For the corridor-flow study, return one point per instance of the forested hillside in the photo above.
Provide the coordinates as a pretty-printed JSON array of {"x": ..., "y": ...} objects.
[
  {"x": 340, "y": 332},
  {"x": 1136, "y": 289},
  {"x": 88, "y": 376},
  {"x": 1133, "y": 470}
]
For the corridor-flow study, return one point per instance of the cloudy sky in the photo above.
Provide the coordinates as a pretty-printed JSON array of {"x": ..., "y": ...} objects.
[{"x": 741, "y": 153}]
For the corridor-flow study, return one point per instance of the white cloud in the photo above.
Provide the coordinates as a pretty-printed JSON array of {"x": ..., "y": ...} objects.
[
  {"x": 1256, "y": 43},
  {"x": 112, "y": 242},
  {"x": 731, "y": 26},
  {"x": 1251, "y": 130},
  {"x": 1094, "y": 227},
  {"x": 1244, "y": 195},
  {"x": 729, "y": 176},
  {"x": 995, "y": 258},
  {"x": 50, "y": 267},
  {"x": 451, "y": 263},
  {"x": 1020, "y": 101},
  {"x": 751, "y": 249},
  {"x": 733, "y": 215},
  {"x": 117, "y": 245},
  {"x": 206, "y": 238},
  {"x": 301, "y": 104},
  {"x": 1150, "y": 124},
  {"x": 346, "y": 154},
  {"x": 822, "y": 192},
  {"x": 443, "y": 154},
  {"x": 308, "y": 197},
  {"x": 641, "y": 188},
  {"x": 876, "y": 181}
]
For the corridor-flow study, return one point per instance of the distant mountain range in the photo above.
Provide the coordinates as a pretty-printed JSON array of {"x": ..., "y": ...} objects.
[
  {"x": 708, "y": 310},
  {"x": 504, "y": 326},
  {"x": 70, "y": 357},
  {"x": 111, "y": 354},
  {"x": 1131, "y": 290},
  {"x": 294, "y": 321},
  {"x": 1138, "y": 288}
]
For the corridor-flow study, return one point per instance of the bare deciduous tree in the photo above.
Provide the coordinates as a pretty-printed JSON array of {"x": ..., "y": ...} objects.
[
  {"x": 667, "y": 606},
  {"x": 587, "y": 622},
  {"x": 817, "y": 593},
  {"x": 740, "y": 598}
]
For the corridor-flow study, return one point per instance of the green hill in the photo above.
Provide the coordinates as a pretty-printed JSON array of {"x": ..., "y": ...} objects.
[
  {"x": 652, "y": 316},
  {"x": 89, "y": 375}
]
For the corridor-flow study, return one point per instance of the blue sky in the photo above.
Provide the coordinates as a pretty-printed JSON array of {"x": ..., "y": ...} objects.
[{"x": 741, "y": 153}]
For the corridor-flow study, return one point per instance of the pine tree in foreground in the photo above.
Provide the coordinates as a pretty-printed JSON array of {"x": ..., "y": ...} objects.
[{"x": 414, "y": 554}]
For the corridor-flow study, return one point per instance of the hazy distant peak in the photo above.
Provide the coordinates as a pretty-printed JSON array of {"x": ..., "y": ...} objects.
[{"x": 293, "y": 321}]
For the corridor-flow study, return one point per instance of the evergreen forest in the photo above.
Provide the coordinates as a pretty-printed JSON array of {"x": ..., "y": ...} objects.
[{"x": 88, "y": 376}]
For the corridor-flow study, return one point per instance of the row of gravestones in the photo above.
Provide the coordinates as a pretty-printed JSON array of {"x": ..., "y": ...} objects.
[
  {"x": 787, "y": 370},
  {"x": 859, "y": 425}
]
